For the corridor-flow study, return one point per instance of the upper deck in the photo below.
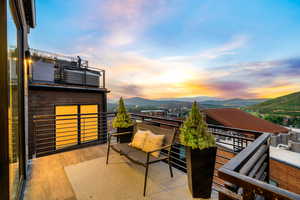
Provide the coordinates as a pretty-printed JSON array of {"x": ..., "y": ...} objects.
[{"x": 56, "y": 70}]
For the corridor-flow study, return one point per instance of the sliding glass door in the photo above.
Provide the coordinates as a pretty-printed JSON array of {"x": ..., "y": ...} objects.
[
  {"x": 12, "y": 133},
  {"x": 15, "y": 107}
]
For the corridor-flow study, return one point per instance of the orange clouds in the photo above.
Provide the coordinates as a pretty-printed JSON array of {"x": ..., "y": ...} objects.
[{"x": 276, "y": 91}]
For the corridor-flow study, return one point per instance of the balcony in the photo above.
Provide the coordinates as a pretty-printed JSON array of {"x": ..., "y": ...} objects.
[
  {"x": 72, "y": 165},
  {"x": 51, "y": 175},
  {"x": 55, "y": 70}
]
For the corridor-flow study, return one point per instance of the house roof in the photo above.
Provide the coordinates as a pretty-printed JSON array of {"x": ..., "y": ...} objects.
[{"x": 236, "y": 118}]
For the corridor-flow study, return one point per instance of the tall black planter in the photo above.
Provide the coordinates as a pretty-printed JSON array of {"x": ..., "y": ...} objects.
[
  {"x": 200, "y": 170},
  {"x": 125, "y": 138}
]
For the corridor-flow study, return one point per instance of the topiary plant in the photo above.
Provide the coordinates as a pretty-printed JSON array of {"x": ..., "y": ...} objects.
[
  {"x": 194, "y": 132},
  {"x": 122, "y": 120}
]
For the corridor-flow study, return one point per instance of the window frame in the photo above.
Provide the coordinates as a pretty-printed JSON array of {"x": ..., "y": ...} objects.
[
  {"x": 78, "y": 105},
  {"x": 15, "y": 7}
]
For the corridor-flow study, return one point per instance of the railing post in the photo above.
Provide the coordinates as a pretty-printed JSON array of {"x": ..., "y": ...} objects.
[{"x": 103, "y": 79}]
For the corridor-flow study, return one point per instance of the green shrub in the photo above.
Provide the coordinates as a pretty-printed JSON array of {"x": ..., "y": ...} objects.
[
  {"x": 122, "y": 120},
  {"x": 194, "y": 132}
]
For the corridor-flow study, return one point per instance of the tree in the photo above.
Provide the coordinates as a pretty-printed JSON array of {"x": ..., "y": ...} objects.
[
  {"x": 194, "y": 132},
  {"x": 122, "y": 120},
  {"x": 274, "y": 118}
]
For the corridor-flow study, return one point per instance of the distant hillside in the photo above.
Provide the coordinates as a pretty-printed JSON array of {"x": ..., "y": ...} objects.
[
  {"x": 235, "y": 102},
  {"x": 219, "y": 102},
  {"x": 174, "y": 103},
  {"x": 138, "y": 101},
  {"x": 285, "y": 105},
  {"x": 192, "y": 99}
]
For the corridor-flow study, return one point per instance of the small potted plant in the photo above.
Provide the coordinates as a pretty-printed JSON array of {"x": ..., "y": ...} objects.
[
  {"x": 123, "y": 123},
  {"x": 200, "y": 153}
]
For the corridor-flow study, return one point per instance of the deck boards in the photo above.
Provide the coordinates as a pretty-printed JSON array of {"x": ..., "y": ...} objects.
[{"x": 48, "y": 180}]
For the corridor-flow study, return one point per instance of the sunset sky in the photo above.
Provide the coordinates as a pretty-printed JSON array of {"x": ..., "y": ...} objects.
[{"x": 179, "y": 48}]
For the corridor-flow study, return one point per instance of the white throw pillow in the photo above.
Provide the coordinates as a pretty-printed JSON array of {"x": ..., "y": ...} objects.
[
  {"x": 139, "y": 139},
  {"x": 153, "y": 142}
]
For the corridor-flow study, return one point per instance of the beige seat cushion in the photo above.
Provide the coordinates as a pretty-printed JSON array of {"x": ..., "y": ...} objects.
[
  {"x": 153, "y": 142},
  {"x": 139, "y": 139}
]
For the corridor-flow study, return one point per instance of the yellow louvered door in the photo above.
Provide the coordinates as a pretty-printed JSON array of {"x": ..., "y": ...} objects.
[
  {"x": 66, "y": 126},
  {"x": 88, "y": 123}
]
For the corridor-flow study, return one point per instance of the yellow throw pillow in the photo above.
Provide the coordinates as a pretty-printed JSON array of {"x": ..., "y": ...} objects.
[
  {"x": 153, "y": 142},
  {"x": 139, "y": 139}
]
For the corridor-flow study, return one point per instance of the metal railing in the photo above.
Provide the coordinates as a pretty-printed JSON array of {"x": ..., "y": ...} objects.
[
  {"x": 230, "y": 141},
  {"x": 57, "y": 133},
  {"x": 242, "y": 162},
  {"x": 55, "y": 56},
  {"x": 247, "y": 174}
]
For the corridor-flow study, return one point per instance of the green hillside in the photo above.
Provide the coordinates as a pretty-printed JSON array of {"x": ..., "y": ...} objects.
[
  {"x": 234, "y": 103},
  {"x": 285, "y": 105}
]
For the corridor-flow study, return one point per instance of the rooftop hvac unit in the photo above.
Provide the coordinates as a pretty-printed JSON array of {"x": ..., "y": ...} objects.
[
  {"x": 295, "y": 146},
  {"x": 275, "y": 140},
  {"x": 42, "y": 71},
  {"x": 284, "y": 138},
  {"x": 80, "y": 77}
]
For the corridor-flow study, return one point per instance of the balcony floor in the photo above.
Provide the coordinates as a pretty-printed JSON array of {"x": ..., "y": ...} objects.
[{"x": 49, "y": 180}]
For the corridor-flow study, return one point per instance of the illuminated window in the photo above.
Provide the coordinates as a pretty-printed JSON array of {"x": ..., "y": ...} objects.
[
  {"x": 89, "y": 123},
  {"x": 69, "y": 127},
  {"x": 66, "y": 126}
]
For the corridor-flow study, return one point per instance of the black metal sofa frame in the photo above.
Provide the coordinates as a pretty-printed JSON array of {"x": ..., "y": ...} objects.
[{"x": 140, "y": 157}]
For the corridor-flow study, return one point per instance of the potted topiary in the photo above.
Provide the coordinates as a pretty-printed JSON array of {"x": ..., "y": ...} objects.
[
  {"x": 200, "y": 153},
  {"x": 123, "y": 123}
]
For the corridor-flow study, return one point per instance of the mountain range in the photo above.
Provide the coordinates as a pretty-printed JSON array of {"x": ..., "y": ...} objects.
[
  {"x": 192, "y": 99},
  {"x": 138, "y": 101},
  {"x": 204, "y": 102}
]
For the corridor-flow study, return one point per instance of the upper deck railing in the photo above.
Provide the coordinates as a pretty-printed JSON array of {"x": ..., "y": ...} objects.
[
  {"x": 54, "y": 69},
  {"x": 56, "y": 56}
]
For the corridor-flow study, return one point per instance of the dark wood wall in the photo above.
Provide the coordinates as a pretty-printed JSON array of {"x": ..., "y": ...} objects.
[
  {"x": 222, "y": 153},
  {"x": 42, "y": 101},
  {"x": 287, "y": 176}
]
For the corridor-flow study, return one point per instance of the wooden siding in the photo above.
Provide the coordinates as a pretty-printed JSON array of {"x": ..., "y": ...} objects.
[
  {"x": 43, "y": 102},
  {"x": 286, "y": 176}
]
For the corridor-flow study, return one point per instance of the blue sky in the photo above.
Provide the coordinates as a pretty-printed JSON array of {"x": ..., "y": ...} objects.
[{"x": 162, "y": 48}]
